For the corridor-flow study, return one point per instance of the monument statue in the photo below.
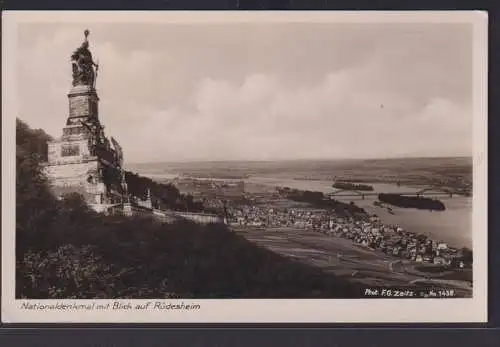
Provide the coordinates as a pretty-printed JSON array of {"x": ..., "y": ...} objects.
[{"x": 83, "y": 65}]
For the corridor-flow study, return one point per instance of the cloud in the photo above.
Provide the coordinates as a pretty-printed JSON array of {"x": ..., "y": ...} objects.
[
  {"x": 262, "y": 119},
  {"x": 261, "y": 93}
]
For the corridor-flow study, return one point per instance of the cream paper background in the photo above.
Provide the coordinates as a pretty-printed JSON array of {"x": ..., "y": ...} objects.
[{"x": 268, "y": 310}]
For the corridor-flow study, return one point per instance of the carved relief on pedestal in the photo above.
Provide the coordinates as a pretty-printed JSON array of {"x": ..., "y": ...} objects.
[{"x": 70, "y": 150}]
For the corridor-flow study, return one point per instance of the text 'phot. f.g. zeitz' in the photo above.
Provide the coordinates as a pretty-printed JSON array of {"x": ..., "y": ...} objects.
[{"x": 257, "y": 172}]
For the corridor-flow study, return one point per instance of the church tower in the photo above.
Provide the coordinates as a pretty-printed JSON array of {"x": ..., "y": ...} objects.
[{"x": 83, "y": 160}]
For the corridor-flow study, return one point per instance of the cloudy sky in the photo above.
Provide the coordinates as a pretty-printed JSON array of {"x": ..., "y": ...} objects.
[{"x": 261, "y": 91}]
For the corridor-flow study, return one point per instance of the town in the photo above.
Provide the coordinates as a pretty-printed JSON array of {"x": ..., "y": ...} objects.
[{"x": 369, "y": 232}]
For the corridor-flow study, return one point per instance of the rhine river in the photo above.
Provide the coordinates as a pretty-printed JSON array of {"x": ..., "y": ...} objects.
[{"x": 454, "y": 225}]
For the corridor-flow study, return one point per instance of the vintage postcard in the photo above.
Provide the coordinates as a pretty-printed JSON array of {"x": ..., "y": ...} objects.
[{"x": 244, "y": 167}]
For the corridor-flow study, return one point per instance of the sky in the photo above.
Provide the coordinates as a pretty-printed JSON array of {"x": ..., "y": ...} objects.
[{"x": 260, "y": 91}]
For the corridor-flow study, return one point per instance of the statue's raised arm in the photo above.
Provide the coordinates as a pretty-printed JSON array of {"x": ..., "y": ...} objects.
[{"x": 83, "y": 64}]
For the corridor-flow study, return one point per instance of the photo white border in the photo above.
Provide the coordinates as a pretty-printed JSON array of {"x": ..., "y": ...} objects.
[{"x": 255, "y": 310}]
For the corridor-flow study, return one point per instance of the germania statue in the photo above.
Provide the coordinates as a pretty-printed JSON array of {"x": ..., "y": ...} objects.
[{"x": 83, "y": 65}]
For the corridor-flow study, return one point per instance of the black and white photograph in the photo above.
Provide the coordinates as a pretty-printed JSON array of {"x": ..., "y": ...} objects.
[{"x": 166, "y": 163}]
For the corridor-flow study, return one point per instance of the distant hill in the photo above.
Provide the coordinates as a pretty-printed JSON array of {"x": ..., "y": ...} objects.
[
  {"x": 451, "y": 172},
  {"x": 323, "y": 166}
]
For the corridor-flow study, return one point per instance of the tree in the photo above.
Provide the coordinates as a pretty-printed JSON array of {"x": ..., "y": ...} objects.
[
  {"x": 36, "y": 207},
  {"x": 33, "y": 141},
  {"x": 466, "y": 255}
]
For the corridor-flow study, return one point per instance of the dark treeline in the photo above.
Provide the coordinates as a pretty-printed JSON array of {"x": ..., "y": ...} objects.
[
  {"x": 412, "y": 202},
  {"x": 318, "y": 199},
  {"x": 352, "y": 186},
  {"x": 163, "y": 195},
  {"x": 65, "y": 250},
  {"x": 33, "y": 142}
]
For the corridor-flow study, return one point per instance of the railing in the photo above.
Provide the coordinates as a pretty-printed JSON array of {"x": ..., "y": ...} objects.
[{"x": 130, "y": 209}]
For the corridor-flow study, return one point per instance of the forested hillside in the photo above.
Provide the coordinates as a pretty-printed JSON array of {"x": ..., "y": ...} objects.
[{"x": 65, "y": 250}]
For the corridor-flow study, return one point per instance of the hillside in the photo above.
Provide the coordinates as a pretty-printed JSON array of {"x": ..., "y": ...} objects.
[{"x": 64, "y": 250}]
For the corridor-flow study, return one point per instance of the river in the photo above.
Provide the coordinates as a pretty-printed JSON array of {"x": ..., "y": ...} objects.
[{"x": 454, "y": 225}]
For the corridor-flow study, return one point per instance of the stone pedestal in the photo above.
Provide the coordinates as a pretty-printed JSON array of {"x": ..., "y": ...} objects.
[
  {"x": 74, "y": 164},
  {"x": 83, "y": 105}
]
